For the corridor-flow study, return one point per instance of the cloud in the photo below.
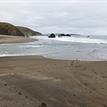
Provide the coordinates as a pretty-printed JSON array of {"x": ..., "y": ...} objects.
[{"x": 83, "y": 16}]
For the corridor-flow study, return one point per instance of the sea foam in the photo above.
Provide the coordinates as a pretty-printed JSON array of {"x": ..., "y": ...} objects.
[{"x": 73, "y": 39}]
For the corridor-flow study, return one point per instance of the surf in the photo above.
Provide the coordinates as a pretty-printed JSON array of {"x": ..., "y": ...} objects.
[{"x": 73, "y": 39}]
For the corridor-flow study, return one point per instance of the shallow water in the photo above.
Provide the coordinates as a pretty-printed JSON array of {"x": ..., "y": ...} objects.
[{"x": 80, "y": 48}]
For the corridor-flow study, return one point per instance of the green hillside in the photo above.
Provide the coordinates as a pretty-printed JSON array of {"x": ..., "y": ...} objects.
[
  {"x": 27, "y": 31},
  {"x": 9, "y": 29}
]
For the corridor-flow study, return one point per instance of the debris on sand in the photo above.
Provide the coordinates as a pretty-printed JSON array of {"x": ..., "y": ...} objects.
[
  {"x": 19, "y": 93},
  {"x": 5, "y": 84},
  {"x": 43, "y": 105}
]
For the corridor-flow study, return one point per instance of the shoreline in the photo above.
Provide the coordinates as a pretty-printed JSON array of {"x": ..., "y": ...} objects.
[
  {"x": 32, "y": 80},
  {"x": 45, "y": 57},
  {"x": 5, "y": 39}
]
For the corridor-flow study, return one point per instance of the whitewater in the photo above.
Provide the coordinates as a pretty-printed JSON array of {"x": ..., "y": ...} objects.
[{"x": 73, "y": 39}]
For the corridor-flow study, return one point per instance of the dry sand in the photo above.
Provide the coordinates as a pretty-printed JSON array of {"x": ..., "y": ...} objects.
[
  {"x": 15, "y": 39},
  {"x": 33, "y": 81}
]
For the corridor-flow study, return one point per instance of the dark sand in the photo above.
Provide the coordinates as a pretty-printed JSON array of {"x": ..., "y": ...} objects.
[
  {"x": 30, "y": 81},
  {"x": 15, "y": 39}
]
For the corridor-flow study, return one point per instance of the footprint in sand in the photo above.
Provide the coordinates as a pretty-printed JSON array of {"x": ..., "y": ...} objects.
[{"x": 77, "y": 65}]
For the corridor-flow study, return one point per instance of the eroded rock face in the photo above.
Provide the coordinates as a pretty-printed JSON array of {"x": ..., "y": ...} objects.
[{"x": 52, "y": 35}]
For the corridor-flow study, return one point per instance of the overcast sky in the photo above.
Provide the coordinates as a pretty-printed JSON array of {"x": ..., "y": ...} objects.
[{"x": 69, "y": 16}]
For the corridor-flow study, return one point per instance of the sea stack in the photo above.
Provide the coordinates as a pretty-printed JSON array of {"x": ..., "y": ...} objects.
[{"x": 52, "y": 35}]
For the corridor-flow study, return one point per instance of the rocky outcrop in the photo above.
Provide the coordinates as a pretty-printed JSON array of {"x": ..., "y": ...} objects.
[
  {"x": 52, "y": 35},
  {"x": 62, "y": 35},
  {"x": 68, "y": 35}
]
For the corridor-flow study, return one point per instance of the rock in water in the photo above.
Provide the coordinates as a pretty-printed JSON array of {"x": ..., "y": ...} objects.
[
  {"x": 61, "y": 35},
  {"x": 68, "y": 35},
  {"x": 52, "y": 35}
]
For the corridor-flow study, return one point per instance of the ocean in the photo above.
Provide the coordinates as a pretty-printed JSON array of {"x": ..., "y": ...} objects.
[{"x": 81, "y": 47}]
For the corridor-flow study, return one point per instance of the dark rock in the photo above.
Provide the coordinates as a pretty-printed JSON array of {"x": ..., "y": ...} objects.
[
  {"x": 52, "y": 35},
  {"x": 61, "y": 35},
  {"x": 68, "y": 35}
]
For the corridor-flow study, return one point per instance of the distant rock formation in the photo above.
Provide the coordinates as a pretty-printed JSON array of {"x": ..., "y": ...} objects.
[
  {"x": 88, "y": 36},
  {"x": 52, "y": 35},
  {"x": 9, "y": 29},
  {"x": 68, "y": 35},
  {"x": 62, "y": 35}
]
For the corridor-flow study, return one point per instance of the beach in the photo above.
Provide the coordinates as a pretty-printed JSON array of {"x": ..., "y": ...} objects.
[
  {"x": 34, "y": 81},
  {"x": 15, "y": 39},
  {"x": 53, "y": 53},
  {"x": 28, "y": 79}
]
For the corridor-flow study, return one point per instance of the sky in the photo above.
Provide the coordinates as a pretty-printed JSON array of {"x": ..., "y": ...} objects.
[{"x": 57, "y": 16}]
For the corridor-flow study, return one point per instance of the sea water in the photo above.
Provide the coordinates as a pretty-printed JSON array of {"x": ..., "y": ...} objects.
[{"x": 68, "y": 48}]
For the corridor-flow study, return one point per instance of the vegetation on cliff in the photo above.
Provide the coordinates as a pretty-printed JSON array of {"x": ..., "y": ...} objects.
[
  {"x": 9, "y": 29},
  {"x": 27, "y": 31}
]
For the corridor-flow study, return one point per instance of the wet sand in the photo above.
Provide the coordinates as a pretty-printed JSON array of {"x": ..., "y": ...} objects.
[
  {"x": 34, "y": 81},
  {"x": 14, "y": 39}
]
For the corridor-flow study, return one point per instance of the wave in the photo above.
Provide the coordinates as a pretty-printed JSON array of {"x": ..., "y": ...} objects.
[
  {"x": 24, "y": 54},
  {"x": 73, "y": 39},
  {"x": 30, "y": 46}
]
